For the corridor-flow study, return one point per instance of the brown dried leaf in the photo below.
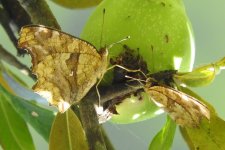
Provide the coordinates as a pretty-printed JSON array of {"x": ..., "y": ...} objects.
[
  {"x": 185, "y": 110},
  {"x": 66, "y": 66}
]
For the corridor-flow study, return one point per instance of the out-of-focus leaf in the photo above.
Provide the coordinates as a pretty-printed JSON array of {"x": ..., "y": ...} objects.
[
  {"x": 221, "y": 63},
  {"x": 4, "y": 83},
  {"x": 67, "y": 133},
  {"x": 14, "y": 133},
  {"x": 77, "y": 3},
  {"x": 164, "y": 138},
  {"x": 39, "y": 118},
  {"x": 209, "y": 135},
  {"x": 16, "y": 78},
  {"x": 201, "y": 76}
]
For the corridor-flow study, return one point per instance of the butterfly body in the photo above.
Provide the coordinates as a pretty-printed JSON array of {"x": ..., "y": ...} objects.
[{"x": 66, "y": 66}]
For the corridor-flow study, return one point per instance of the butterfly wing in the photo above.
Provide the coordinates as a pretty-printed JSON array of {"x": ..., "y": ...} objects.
[
  {"x": 185, "y": 110},
  {"x": 66, "y": 67}
]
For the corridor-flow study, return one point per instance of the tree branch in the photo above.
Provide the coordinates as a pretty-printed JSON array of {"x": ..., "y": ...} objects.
[
  {"x": 88, "y": 114},
  {"x": 39, "y": 16},
  {"x": 10, "y": 59}
]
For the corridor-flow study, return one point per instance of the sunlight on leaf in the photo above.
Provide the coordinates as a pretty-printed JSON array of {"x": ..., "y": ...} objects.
[
  {"x": 14, "y": 133},
  {"x": 201, "y": 76},
  {"x": 164, "y": 138},
  {"x": 77, "y": 3},
  {"x": 207, "y": 136},
  {"x": 67, "y": 133}
]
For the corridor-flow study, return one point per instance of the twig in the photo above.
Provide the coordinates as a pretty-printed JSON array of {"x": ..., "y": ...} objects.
[{"x": 12, "y": 60}]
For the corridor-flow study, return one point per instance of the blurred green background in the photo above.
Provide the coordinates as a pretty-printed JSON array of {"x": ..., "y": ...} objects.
[{"x": 208, "y": 21}]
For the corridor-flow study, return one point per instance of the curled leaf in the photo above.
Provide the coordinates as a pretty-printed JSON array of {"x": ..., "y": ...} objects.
[{"x": 200, "y": 76}]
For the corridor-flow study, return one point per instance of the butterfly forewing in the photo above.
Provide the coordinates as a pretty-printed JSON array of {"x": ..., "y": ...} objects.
[
  {"x": 182, "y": 108},
  {"x": 66, "y": 66}
]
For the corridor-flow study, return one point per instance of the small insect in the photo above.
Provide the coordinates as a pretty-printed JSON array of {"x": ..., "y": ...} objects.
[{"x": 184, "y": 109}]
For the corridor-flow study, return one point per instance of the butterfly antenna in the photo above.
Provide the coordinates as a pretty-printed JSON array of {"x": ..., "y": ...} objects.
[
  {"x": 103, "y": 21},
  {"x": 135, "y": 79},
  {"x": 111, "y": 45}
]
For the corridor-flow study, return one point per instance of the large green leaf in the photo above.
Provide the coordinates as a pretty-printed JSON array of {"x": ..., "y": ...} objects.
[
  {"x": 67, "y": 133},
  {"x": 164, "y": 138},
  {"x": 209, "y": 135},
  {"x": 39, "y": 118},
  {"x": 14, "y": 133}
]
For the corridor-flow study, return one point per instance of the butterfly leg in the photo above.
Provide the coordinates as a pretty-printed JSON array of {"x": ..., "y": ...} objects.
[{"x": 113, "y": 66}]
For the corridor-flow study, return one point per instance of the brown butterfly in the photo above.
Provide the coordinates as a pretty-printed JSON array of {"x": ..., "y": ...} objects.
[
  {"x": 184, "y": 109},
  {"x": 66, "y": 66}
]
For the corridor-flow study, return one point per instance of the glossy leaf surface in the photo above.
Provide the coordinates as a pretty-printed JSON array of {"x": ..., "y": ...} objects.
[
  {"x": 164, "y": 138},
  {"x": 67, "y": 133}
]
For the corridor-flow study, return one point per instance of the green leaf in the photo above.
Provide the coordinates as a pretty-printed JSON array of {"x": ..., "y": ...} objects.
[
  {"x": 39, "y": 118},
  {"x": 201, "y": 76},
  {"x": 67, "y": 133},
  {"x": 77, "y": 3},
  {"x": 209, "y": 135},
  {"x": 164, "y": 138},
  {"x": 15, "y": 77},
  {"x": 14, "y": 133}
]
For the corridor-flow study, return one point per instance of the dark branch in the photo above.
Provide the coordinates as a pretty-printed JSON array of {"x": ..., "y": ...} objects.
[
  {"x": 17, "y": 13},
  {"x": 10, "y": 59},
  {"x": 39, "y": 16},
  {"x": 7, "y": 24}
]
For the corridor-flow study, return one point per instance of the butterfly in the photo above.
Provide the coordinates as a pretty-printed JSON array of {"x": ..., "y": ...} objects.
[
  {"x": 185, "y": 110},
  {"x": 66, "y": 66}
]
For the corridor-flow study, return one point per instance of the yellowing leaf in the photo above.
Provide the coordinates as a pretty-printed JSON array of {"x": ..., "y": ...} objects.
[
  {"x": 14, "y": 133},
  {"x": 67, "y": 133}
]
